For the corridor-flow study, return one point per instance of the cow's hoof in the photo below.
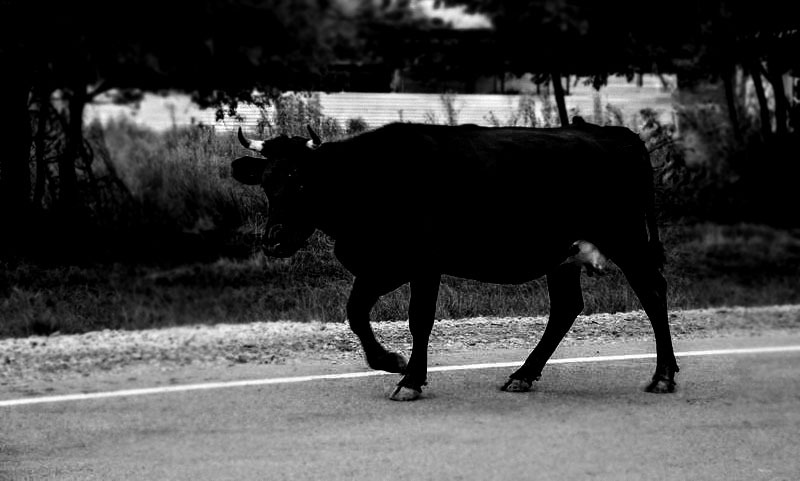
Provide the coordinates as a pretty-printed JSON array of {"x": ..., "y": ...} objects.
[
  {"x": 389, "y": 362},
  {"x": 663, "y": 380},
  {"x": 402, "y": 393},
  {"x": 517, "y": 385},
  {"x": 661, "y": 386}
]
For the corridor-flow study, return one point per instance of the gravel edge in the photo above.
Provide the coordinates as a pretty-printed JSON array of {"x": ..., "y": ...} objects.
[{"x": 39, "y": 357}]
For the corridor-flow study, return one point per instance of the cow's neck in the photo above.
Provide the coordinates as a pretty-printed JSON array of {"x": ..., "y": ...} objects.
[{"x": 326, "y": 182}]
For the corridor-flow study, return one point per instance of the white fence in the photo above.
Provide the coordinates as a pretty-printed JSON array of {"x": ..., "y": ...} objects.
[{"x": 378, "y": 109}]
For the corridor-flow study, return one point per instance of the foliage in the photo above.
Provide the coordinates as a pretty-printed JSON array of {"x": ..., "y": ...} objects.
[
  {"x": 216, "y": 49},
  {"x": 152, "y": 197},
  {"x": 532, "y": 111},
  {"x": 709, "y": 265},
  {"x": 451, "y": 111},
  {"x": 698, "y": 41},
  {"x": 174, "y": 240},
  {"x": 290, "y": 113},
  {"x": 227, "y": 51},
  {"x": 356, "y": 126},
  {"x": 165, "y": 237},
  {"x": 727, "y": 182},
  {"x": 220, "y": 51}
]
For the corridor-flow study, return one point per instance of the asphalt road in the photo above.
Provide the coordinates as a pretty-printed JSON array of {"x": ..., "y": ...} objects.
[{"x": 735, "y": 417}]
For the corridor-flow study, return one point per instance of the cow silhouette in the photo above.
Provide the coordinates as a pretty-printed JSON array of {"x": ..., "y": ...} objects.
[{"x": 408, "y": 203}]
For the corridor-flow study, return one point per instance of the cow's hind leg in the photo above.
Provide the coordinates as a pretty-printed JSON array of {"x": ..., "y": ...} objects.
[
  {"x": 566, "y": 302},
  {"x": 421, "y": 313},
  {"x": 651, "y": 289},
  {"x": 363, "y": 296}
]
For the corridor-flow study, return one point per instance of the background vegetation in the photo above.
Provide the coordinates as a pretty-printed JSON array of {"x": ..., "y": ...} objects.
[
  {"x": 174, "y": 240},
  {"x": 120, "y": 227}
]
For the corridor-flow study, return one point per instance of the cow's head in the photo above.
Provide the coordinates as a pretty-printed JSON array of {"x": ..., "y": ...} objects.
[{"x": 281, "y": 173}]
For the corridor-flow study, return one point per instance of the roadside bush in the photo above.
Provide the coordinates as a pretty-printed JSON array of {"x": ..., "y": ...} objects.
[
  {"x": 290, "y": 113},
  {"x": 188, "y": 236},
  {"x": 709, "y": 265},
  {"x": 356, "y": 126},
  {"x": 158, "y": 196},
  {"x": 705, "y": 174},
  {"x": 170, "y": 196}
]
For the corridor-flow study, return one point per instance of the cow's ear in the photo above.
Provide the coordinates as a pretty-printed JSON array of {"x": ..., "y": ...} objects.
[{"x": 250, "y": 170}]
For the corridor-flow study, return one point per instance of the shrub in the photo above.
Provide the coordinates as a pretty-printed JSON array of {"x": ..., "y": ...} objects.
[
  {"x": 170, "y": 195},
  {"x": 290, "y": 113},
  {"x": 703, "y": 173},
  {"x": 356, "y": 126}
]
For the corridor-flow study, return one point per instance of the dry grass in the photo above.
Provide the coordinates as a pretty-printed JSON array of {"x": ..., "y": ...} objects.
[
  {"x": 709, "y": 265},
  {"x": 176, "y": 244}
]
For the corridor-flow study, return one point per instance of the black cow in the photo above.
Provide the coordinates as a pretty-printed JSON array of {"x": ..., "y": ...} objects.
[{"x": 406, "y": 203}]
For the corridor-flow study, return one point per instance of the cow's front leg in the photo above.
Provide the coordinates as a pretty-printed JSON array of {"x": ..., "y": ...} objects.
[
  {"x": 421, "y": 312},
  {"x": 363, "y": 296}
]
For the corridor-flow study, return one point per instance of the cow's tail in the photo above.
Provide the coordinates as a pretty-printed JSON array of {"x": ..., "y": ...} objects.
[{"x": 655, "y": 247}]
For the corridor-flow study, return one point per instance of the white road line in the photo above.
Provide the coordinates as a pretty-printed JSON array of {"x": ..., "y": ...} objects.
[{"x": 353, "y": 375}]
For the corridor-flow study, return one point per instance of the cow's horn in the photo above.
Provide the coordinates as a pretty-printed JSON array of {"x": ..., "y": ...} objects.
[
  {"x": 315, "y": 140},
  {"x": 257, "y": 145}
]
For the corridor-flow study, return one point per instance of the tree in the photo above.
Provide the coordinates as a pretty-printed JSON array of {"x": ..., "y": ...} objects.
[
  {"x": 767, "y": 42},
  {"x": 219, "y": 51},
  {"x": 696, "y": 39},
  {"x": 757, "y": 38},
  {"x": 554, "y": 38},
  {"x": 14, "y": 125}
]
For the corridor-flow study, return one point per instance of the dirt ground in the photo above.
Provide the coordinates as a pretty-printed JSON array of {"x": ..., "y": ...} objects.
[{"x": 42, "y": 359}]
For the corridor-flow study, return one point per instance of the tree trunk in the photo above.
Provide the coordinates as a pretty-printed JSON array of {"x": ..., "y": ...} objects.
[
  {"x": 39, "y": 142},
  {"x": 67, "y": 177},
  {"x": 15, "y": 136},
  {"x": 730, "y": 99},
  {"x": 558, "y": 90},
  {"x": 763, "y": 107},
  {"x": 781, "y": 103}
]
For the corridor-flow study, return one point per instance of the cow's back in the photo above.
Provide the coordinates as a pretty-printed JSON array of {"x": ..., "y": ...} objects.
[{"x": 475, "y": 195}]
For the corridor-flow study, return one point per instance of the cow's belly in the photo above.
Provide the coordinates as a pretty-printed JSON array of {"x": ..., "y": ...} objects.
[
  {"x": 509, "y": 265},
  {"x": 482, "y": 267},
  {"x": 505, "y": 256}
]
